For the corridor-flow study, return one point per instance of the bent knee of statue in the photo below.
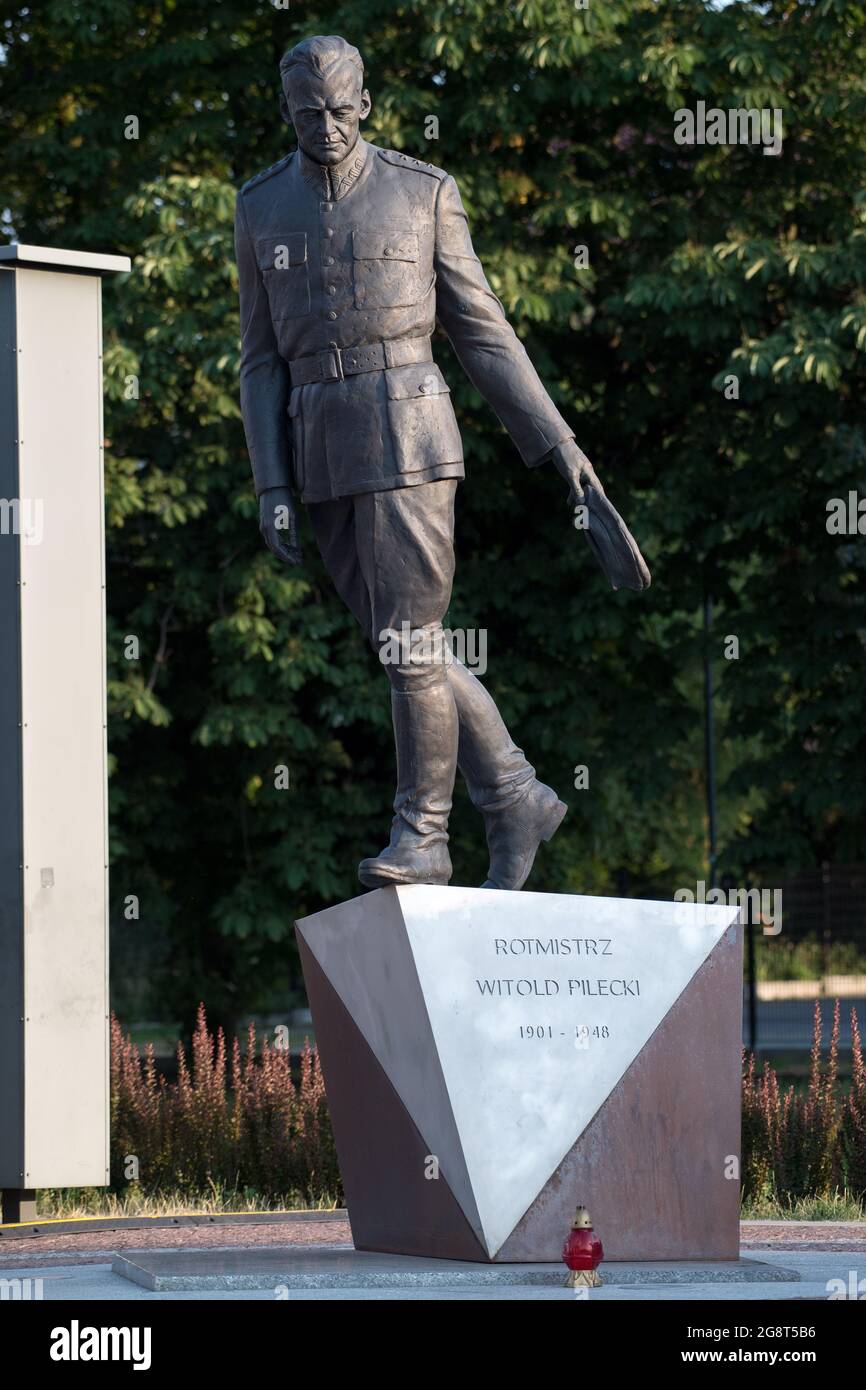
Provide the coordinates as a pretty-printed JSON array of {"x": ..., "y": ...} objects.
[{"x": 414, "y": 657}]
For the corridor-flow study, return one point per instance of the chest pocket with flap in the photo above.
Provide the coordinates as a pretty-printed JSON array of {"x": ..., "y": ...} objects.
[
  {"x": 283, "y": 263},
  {"x": 386, "y": 269}
]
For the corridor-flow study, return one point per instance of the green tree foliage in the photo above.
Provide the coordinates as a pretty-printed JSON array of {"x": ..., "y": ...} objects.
[{"x": 705, "y": 263}]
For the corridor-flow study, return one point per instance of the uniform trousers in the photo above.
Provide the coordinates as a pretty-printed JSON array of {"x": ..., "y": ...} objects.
[{"x": 391, "y": 557}]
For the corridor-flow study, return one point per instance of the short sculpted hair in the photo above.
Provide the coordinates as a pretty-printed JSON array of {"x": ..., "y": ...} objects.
[{"x": 320, "y": 55}]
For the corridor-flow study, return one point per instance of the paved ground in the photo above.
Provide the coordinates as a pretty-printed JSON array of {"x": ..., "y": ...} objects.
[
  {"x": 98, "y": 1246},
  {"x": 849, "y": 1236},
  {"x": 78, "y": 1267},
  {"x": 97, "y": 1283}
]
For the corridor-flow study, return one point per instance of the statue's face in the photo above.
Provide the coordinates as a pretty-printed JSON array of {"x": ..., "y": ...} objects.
[{"x": 327, "y": 112}]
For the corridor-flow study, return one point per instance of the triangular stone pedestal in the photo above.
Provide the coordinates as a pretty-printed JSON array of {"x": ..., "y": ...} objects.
[{"x": 493, "y": 1059}]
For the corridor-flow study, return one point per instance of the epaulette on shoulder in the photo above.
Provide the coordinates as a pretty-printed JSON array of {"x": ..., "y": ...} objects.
[
  {"x": 418, "y": 166},
  {"x": 268, "y": 173}
]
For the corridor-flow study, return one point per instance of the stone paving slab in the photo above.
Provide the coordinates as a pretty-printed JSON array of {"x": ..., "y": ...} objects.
[{"x": 349, "y": 1269}]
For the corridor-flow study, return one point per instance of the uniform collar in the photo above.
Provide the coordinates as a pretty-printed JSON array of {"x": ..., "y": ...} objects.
[{"x": 335, "y": 181}]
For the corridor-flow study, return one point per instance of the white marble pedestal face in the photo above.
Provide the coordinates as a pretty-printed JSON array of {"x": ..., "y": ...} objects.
[{"x": 493, "y": 1059}]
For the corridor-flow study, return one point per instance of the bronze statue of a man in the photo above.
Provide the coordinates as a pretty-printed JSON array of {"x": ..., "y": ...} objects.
[{"x": 347, "y": 256}]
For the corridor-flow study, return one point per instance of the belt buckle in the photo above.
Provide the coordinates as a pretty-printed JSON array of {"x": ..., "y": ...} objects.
[{"x": 335, "y": 356}]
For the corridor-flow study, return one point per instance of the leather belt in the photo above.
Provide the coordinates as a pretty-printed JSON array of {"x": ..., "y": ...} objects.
[{"x": 336, "y": 363}]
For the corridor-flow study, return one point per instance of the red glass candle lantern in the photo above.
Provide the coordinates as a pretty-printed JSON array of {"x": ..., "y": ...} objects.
[{"x": 582, "y": 1253}]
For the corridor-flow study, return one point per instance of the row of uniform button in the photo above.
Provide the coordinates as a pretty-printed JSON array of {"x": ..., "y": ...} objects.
[{"x": 329, "y": 260}]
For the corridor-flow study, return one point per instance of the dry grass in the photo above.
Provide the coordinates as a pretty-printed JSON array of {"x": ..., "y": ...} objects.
[{"x": 72, "y": 1203}]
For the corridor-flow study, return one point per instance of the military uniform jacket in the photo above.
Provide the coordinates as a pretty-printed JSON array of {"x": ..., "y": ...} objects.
[{"x": 346, "y": 269}]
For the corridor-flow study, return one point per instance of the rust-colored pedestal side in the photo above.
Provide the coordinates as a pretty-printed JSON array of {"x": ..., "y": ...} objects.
[{"x": 494, "y": 1059}]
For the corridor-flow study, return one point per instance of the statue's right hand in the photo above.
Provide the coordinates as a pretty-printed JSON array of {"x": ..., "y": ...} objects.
[{"x": 278, "y": 524}]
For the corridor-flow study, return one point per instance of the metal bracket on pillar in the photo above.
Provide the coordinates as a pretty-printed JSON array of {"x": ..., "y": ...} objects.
[{"x": 18, "y": 1205}]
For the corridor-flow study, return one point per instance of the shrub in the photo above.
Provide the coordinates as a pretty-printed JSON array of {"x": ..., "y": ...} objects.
[
  {"x": 853, "y": 1126},
  {"x": 242, "y": 1122},
  {"x": 245, "y": 1125},
  {"x": 810, "y": 1145}
]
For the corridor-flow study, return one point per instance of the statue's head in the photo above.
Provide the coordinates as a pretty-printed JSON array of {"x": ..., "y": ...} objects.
[{"x": 324, "y": 96}]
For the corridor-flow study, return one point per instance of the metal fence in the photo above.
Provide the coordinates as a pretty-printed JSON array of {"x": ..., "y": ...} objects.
[{"x": 819, "y": 955}]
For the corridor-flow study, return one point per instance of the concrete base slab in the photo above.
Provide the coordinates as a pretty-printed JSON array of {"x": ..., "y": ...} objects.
[{"x": 329, "y": 1268}]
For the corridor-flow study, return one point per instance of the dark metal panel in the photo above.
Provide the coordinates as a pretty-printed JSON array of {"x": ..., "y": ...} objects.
[
  {"x": 393, "y": 1206},
  {"x": 11, "y": 851}
]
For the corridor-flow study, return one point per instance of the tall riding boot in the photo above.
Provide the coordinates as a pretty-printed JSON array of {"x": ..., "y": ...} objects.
[
  {"x": 519, "y": 811},
  {"x": 425, "y": 734}
]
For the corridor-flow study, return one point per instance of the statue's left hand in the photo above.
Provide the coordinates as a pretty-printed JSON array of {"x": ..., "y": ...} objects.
[{"x": 576, "y": 469}]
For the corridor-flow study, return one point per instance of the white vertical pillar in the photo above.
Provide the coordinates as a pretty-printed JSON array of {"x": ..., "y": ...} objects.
[{"x": 54, "y": 1075}]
